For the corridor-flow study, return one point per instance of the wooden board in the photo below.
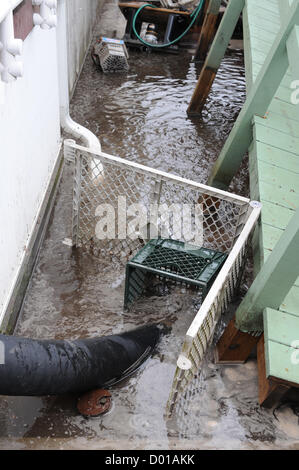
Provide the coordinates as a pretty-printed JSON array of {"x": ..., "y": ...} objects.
[
  {"x": 234, "y": 346},
  {"x": 163, "y": 11},
  {"x": 282, "y": 346},
  {"x": 281, "y": 327},
  {"x": 274, "y": 154},
  {"x": 279, "y": 365},
  {"x": 269, "y": 391}
]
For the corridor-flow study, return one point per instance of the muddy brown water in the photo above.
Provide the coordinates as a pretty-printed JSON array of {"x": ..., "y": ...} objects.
[{"x": 140, "y": 116}]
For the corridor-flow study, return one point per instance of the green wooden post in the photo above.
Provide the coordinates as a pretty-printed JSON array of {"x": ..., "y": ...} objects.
[
  {"x": 257, "y": 102},
  {"x": 215, "y": 56},
  {"x": 293, "y": 52},
  {"x": 273, "y": 282},
  {"x": 284, "y": 6}
]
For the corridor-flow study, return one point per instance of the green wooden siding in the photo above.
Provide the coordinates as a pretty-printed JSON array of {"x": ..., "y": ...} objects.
[
  {"x": 281, "y": 345},
  {"x": 274, "y": 153}
]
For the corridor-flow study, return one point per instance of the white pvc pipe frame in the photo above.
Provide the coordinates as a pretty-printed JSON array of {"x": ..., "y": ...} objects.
[{"x": 10, "y": 68}]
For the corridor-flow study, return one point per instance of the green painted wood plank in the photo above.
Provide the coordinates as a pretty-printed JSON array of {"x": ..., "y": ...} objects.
[
  {"x": 257, "y": 65},
  {"x": 279, "y": 123},
  {"x": 274, "y": 163},
  {"x": 287, "y": 79},
  {"x": 279, "y": 204},
  {"x": 266, "y": 5},
  {"x": 268, "y": 15},
  {"x": 291, "y": 302},
  {"x": 267, "y": 253},
  {"x": 285, "y": 110},
  {"x": 279, "y": 196},
  {"x": 278, "y": 177},
  {"x": 293, "y": 51},
  {"x": 263, "y": 23},
  {"x": 276, "y": 138},
  {"x": 258, "y": 44},
  {"x": 272, "y": 4},
  {"x": 280, "y": 363},
  {"x": 277, "y": 157},
  {"x": 252, "y": 42},
  {"x": 267, "y": 10},
  {"x": 256, "y": 32},
  {"x": 264, "y": 19},
  {"x": 266, "y": 191},
  {"x": 284, "y": 7},
  {"x": 284, "y": 94},
  {"x": 270, "y": 236},
  {"x": 280, "y": 327},
  {"x": 257, "y": 103},
  {"x": 275, "y": 215},
  {"x": 272, "y": 286},
  {"x": 258, "y": 57},
  {"x": 259, "y": 48},
  {"x": 247, "y": 47},
  {"x": 275, "y": 189}
]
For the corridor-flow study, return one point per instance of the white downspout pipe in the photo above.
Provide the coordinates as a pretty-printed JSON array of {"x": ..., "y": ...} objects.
[{"x": 67, "y": 123}]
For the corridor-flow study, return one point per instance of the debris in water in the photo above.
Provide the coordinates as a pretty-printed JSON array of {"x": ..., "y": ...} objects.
[
  {"x": 95, "y": 403},
  {"x": 111, "y": 55}
]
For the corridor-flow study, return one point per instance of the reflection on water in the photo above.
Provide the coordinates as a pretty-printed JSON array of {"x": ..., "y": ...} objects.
[{"x": 141, "y": 116}]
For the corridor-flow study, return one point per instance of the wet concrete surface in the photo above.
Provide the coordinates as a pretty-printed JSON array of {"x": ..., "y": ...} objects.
[{"x": 142, "y": 117}]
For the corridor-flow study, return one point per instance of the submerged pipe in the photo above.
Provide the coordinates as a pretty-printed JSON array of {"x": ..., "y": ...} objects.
[{"x": 51, "y": 367}]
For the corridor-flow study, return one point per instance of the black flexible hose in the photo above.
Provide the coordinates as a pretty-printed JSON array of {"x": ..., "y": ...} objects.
[{"x": 41, "y": 367}]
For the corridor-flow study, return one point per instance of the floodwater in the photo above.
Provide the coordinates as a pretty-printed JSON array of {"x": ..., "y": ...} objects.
[{"x": 142, "y": 117}]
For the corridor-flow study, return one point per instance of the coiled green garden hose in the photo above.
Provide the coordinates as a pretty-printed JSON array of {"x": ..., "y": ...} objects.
[{"x": 193, "y": 15}]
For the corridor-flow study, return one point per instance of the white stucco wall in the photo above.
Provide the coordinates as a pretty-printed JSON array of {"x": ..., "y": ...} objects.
[
  {"x": 30, "y": 135},
  {"x": 29, "y": 146},
  {"x": 82, "y": 15}
]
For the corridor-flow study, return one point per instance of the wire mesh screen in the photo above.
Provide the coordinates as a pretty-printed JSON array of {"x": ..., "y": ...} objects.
[
  {"x": 201, "y": 332},
  {"x": 104, "y": 183},
  {"x": 225, "y": 223}
]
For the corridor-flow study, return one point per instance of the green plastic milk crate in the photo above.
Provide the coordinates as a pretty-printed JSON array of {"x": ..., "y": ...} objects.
[{"x": 170, "y": 259}]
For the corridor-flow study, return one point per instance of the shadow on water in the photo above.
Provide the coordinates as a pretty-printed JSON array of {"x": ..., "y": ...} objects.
[{"x": 142, "y": 117}]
